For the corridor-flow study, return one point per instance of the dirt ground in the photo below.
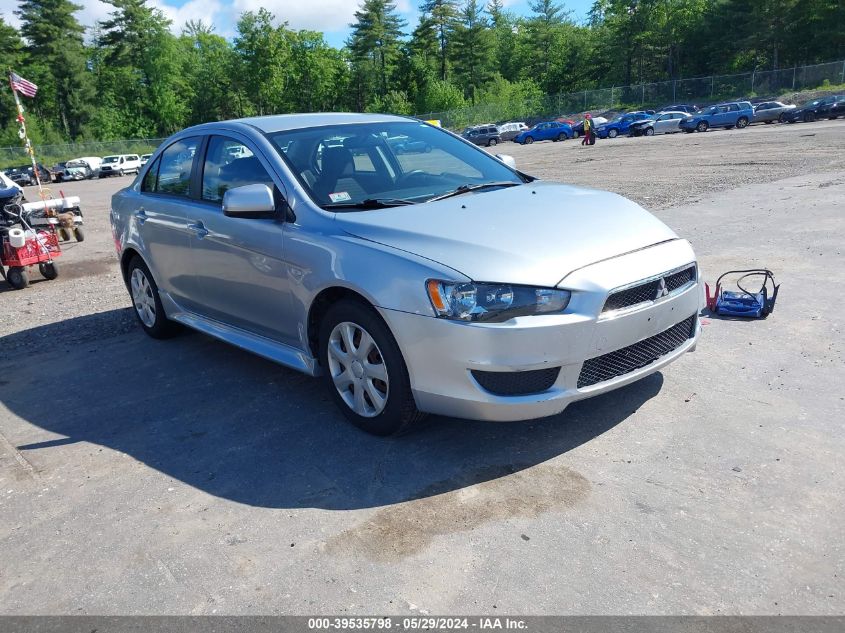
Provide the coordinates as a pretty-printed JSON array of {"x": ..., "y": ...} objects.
[{"x": 186, "y": 476}]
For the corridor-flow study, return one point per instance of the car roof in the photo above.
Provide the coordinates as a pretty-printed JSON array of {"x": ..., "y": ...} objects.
[{"x": 284, "y": 122}]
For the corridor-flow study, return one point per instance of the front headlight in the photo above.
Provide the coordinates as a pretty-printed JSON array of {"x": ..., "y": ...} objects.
[{"x": 493, "y": 303}]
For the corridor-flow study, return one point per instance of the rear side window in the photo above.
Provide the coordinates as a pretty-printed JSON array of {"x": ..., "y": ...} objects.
[
  {"x": 174, "y": 172},
  {"x": 151, "y": 177},
  {"x": 229, "y": 164}
]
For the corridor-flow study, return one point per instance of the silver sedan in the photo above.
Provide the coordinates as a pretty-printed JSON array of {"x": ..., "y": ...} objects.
[
  {"x": 441, "y": 282},
  {"x": 771, "y": 111}
]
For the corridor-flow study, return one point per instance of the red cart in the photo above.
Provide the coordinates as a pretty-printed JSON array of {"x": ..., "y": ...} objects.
[{"x": 41, "y": 247}]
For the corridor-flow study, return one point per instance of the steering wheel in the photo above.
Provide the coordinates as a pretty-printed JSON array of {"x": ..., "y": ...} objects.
[{"x": 409, "y": 176}]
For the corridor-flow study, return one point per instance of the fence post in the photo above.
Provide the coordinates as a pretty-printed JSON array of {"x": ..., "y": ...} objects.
[
  {"x": 674, "y": 83},
  {"x": 843, "y": 73},
  {"x": 585, "y": 100},
  {"x": 611, "y": 98},
  {"x": 753, "y": 72},
  {"x": 794, "y": 68},
  {"x": 712, "y": 79},
  {"x": 642, "y": 97}
]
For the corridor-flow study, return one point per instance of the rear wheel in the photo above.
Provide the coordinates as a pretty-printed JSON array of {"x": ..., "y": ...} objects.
[
  {"x": 364, "y": 370},
  {"x": 147, "y": 303},
  {"x": 18, "y": 277},
  {"x": 79, "y": 234},
  {"x": 742, "y": 122},
  {"x": 703, "y": 126},
  {"x": 49, "y": 270},
  {"x": 612, "y": 133}
]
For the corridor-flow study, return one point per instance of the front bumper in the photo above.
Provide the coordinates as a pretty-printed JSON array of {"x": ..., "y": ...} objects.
[{"x": 441, "y": 355}]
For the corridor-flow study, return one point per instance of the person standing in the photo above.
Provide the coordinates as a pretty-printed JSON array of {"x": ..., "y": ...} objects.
[{"x": 588, "y": 130}]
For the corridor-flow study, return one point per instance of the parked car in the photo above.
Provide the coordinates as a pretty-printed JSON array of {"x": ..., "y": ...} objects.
[
  {"x": 57, "y": 172},
  {"x": 546, "y": 131},
  {"x": 507, "y": 131},
  {"x": 285, "y": 256},
  {"x": 145, "y": 158},
  {"x": 771, "y": 111},
  {"x": 8, "y": 183},
  {"x": 689, "y": 109},
  {"x": 727, "y": 115},
  {"x": 119, "y": 165},
  {"x": 620, "y": 125},
  {"x": 824, "y": 107},
  {"x": 483, "y": 135},
  {"x": 662, "y": 123},
  {"x": 578, "y": 128},
  {"x": 82, "y": 168},
  {"x": 25, "y": 176}
]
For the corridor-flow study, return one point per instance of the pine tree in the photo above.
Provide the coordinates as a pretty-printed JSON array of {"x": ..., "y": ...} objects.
[
  {"x": 443, "y": 15},
  {"x": 55, "y": 58},
  {"x": 375, "y": 45},
  {"x": 473, "y": 48}
]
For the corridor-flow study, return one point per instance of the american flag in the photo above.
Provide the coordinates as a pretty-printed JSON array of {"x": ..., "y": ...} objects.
[{"x": 26, "y": 88}]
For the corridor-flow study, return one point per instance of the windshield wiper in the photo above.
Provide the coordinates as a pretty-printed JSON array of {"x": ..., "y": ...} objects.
[
  {"x": 473, "y": 187},
  {"x": 370, "y": 203}
]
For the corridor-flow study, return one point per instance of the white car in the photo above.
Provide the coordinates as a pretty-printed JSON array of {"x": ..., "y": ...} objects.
[
  {"x": 120, "y": 164},
  {"x": 82, "y": 168}
]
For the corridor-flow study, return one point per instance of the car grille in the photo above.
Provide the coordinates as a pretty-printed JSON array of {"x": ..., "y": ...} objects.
[
  {"x": 636, "y": 356},
  {"x": 516, "y": 383},
  {"x": 647, "y": 291}
]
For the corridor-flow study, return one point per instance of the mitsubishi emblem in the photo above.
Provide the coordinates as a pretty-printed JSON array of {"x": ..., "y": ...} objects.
[{"x": 662, "y": 291}]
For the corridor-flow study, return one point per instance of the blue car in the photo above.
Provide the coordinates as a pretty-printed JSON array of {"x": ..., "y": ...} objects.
[
  {"x": 727, "y": 115},
  {"x": 548, "y": 131},
  {"x": 621, "y": 124}
]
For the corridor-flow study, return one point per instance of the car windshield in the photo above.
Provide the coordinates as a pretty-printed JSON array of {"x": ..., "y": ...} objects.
[
  {"x": 710, "y": 110},
  {"x": 342, "y": 166},
  {"x": 111, "y": 159},
  {"x": 76, "y": 163}
]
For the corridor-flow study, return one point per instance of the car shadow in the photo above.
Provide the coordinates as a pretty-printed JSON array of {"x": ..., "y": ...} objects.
[{"x": 242, "y": 428}]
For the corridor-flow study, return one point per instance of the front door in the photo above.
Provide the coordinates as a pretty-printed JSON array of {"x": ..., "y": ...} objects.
[{"x": 239, "y": 262}]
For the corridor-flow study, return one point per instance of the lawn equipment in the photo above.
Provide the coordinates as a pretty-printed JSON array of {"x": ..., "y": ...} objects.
[
  {"x": 22, "y": 245},
  {"x": 63, "y": 213},
  {"x": 744, "y": 303}
]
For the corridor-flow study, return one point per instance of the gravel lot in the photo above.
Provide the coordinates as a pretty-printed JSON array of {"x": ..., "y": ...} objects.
[{"x": 139, "y": 476}]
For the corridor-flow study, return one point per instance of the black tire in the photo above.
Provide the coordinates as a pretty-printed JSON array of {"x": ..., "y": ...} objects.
[
  {"x": 528, "y": 140},
  {"x": 562, "y": 136},
  {"x": 702, "y": 126},
  {"x": 689, "y": 131},
  {"x": 768, "y": 122},
  {"x": 742, "y": 122},
  {"x": 18, "y": 277},
  {"x": 64, "y": 234},
  {"x": 832, "y": 118},
  {"x": 782, "y": 118},
  {"x": 400, "y": 412},
  {"x": 649, "y": 131},
  {"x": 576, "y": 134},
  {"x": 49, "y": 271},
  {"x": 120, "y": 172},
  {"x": 79, "y": 234},
  {"x": 491, "y": 142},
  {"x": 161, "y": 326},
  {"x": 613, "y": 133},
  {"x": 729, "y": 127},
  {"x": 809, "y": 117}
]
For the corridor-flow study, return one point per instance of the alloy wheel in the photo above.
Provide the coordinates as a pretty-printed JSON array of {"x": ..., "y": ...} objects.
[
  {"x": 142, "y": 297},
  {"x": 358, "y": 370}
]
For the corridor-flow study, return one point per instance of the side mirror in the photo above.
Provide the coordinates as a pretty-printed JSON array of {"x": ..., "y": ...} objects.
[
  {"x": 249, "y": 200},
  {"x": 507, "y": 159}
]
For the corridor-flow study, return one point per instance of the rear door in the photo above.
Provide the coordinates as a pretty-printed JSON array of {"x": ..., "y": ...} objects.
[{"x": 160, "y": 217}]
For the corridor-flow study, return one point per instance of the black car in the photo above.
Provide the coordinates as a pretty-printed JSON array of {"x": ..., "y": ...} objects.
[
  {"x": 824, "y": 107},
  {"x": 24, "y": 176},
  {"x": 689, "y": 109},
  {"x": 483, "y": 135}
]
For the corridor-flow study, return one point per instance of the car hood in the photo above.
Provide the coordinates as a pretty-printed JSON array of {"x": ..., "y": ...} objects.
[{"x": 534, "y": 234}]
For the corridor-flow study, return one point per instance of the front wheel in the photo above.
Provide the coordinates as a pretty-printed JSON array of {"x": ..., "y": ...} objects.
[
  {"x": 120, "y": 172},
  {"x": 491, "y": 142},
  {"x": 702, "y": 126},
  {"x": 147, "y": 303},
  {"x": 528, "y": 140},
  {"x": 809, "y": 117},
  {"x": 649, "y": 131},
  {"x": 612, "y": 134},
  {"x": 562, "y": 136},
  {"x": 364, "y": 370},
  {"x": 782, "y": 118},
  {"x": 741, "y": 123},
  {"x": 18, "y": 277}
]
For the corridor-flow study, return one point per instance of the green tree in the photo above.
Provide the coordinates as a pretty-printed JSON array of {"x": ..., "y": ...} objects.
[
  {"x": 443, "y": 15},
  {"x": 375, "y": 47},
  {"x": 11, "y": 52},
  {"x": 55, "y": 60},
  {"x": 473, "y": 49}
]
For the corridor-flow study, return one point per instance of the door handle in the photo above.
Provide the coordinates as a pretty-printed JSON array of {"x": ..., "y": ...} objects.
[
  {"x": 199, "y": 229},
  {"x": 141, "y": 215}
]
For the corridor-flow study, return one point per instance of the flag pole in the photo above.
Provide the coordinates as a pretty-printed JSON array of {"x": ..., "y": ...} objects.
[{"x": 23, "y": 135}]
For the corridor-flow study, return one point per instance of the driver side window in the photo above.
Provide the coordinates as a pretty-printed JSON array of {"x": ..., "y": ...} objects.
[{"x": 229, "y": 164}]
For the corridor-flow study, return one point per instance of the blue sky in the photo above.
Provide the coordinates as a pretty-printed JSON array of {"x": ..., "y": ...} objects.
[{"x": 329, "y": 16}]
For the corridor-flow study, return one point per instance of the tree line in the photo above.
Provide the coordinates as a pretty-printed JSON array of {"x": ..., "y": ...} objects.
[{"x": 129, "y": 76}]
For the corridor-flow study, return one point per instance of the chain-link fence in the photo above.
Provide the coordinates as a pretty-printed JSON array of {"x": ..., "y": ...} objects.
[
  {"x": 49, "y": 155},
  {"x": 697, "y": 91}
]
